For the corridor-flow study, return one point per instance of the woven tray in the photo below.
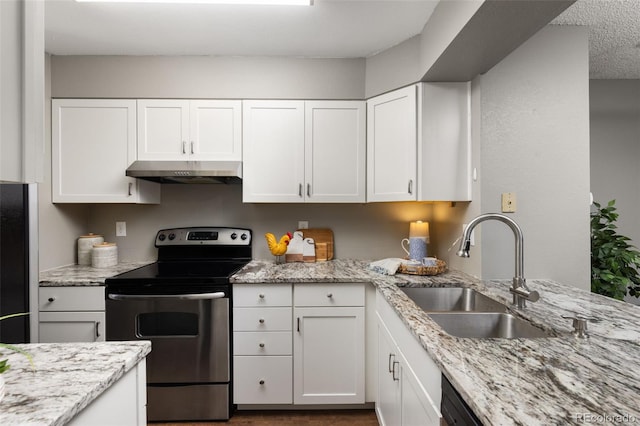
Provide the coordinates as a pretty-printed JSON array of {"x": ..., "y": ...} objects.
[{"x": 440, "y": 267}]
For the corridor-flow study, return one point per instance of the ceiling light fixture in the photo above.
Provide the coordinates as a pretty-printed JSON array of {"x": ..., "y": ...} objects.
[{"x": 227, "y": 2}]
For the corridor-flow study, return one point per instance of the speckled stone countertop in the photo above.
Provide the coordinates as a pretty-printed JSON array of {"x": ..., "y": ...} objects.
[
  {"x": 66, "y": 379},
  {"x": 80, "y": 275},
  {"x": 545, "y": 381}
]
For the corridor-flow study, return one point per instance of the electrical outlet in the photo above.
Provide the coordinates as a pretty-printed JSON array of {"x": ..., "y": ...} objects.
[
  {"x": 121, "y": 229},
  {"x": 303, "y": 224},
  {"x": 508, "y": 202}
]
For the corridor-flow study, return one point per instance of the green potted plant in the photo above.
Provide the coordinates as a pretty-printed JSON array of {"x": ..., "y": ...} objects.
[
  {"x": 614, "y": 262},
  {"x": 4, "y": 366}
]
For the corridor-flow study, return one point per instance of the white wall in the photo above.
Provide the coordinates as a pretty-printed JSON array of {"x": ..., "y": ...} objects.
[
  {"x": 194, "y": 77},
  {"x": 535, "y": 142},
  {"x": 615, "y": 151}
]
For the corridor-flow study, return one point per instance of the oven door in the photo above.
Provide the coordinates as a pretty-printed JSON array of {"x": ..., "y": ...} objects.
[{"x": 189, "y": 334}]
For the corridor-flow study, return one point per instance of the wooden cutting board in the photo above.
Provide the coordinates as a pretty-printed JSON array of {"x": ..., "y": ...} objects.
[{"x": 320, "y": 235}]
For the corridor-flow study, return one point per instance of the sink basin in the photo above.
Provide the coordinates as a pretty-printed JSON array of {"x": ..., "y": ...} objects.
[
  {"x": 436, "y": 299},
  {"x": 486, "y": 325}
]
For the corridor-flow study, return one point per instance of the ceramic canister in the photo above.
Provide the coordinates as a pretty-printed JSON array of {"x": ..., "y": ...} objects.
[
  {"x": 85, "y": 246},
  {"x": 104, "y": 255}
]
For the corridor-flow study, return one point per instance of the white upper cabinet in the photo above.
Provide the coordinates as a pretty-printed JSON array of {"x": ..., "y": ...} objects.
[
  {"x": 335, "y": 151},
  {"x": 189, "y": 130},
  {"x": 419, "y": 144},
  {"x": 444, "y": 172},
  {"x": 93, "y": 143},
  {"x": 273, "y": 154},
  {"x": 296, "y": 151},
  {"x": 392, "y": 146}
]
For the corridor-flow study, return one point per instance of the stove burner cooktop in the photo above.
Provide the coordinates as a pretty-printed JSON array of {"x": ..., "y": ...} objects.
[{"x": 189, "y": 259}]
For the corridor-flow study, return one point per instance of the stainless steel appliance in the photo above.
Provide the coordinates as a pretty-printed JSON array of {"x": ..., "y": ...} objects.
[{"x": 182, "y": 304}]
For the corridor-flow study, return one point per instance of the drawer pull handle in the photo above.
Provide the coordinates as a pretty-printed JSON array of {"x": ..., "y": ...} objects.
[
  {"x": 298, "y": 324},
  {"x": 261, "y": 345},
  {"x": 261, "y": 320},
  {"x": 393, "y": 373},
  {"x": 261, "y": 296},
  {"x": 329, "y": 295},
  {"x": 261, "y": 381},
  {"x": 51, "y": 299},
  {"x": 130, "y": 187},
  {"x": 97, "y": 330},
  {"x": 391, "y": 356}
]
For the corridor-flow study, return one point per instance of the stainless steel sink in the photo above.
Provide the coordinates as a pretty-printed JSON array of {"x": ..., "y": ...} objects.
[
  {"x": 486, "y": 325},
  {"x": 436, "y": 299}
]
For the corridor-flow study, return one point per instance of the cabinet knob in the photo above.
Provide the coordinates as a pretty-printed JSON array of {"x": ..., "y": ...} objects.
[
  {"x": 329, "y": 295},
  {"x": 261, "y": 381},
  {"x": 261, "y": 320},
  {"x": 261, "y": 345},
  {"x": 261, "y": 296},
  {"x": 51, "y": 299}
]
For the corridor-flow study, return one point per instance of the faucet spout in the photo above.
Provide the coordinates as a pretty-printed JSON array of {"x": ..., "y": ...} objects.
[{"x": 519, "y": 289}]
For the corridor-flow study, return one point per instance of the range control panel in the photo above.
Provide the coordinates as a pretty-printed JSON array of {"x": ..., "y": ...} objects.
[{"x": 199, "y": 236}]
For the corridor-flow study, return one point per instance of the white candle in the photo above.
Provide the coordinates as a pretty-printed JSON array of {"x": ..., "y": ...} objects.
[{"x": 419, "y": 229}]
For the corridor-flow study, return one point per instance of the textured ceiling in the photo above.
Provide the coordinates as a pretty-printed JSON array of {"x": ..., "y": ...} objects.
[{"x": 614, "y": 36}]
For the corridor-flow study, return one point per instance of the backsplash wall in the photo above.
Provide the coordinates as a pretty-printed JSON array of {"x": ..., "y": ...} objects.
[{"x": 363, "y": 231}]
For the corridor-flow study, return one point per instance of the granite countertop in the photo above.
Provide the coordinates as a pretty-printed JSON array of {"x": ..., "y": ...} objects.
[
  {"x": 67, "y": 377},
  {"x": 553, "y": 381},
  {"x": 82, "y": 276}
]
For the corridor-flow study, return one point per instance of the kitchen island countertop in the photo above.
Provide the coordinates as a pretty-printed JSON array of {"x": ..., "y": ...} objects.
[
  {"x": 552, "y": 381},
  {"x": 65, "y": 378}
]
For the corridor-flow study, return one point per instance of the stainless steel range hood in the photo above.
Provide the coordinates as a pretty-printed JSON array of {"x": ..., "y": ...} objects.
[{"x": 187, "y": 171}]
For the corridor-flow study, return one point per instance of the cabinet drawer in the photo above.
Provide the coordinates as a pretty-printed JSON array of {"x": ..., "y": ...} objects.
[
  {"x": 262, "y": 380},
  {"x": 329, "y": 294},
  {"x": 56, "y": 327},
  {"x": 262, "y": 319},
  {"x": 262, "y": 295},
  {"x": 262, "y": 343},
  {"x": 62, "y": 299}
]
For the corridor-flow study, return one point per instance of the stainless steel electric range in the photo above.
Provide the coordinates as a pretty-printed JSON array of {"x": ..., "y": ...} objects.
[{"x": 182, "y": 303}]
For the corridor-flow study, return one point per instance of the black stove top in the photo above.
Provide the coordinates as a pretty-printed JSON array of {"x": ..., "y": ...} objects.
[{"x": 189, "y": 260}]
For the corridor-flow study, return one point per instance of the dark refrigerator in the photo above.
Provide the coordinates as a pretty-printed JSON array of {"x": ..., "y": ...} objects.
[{"x": 14, "y": 261}]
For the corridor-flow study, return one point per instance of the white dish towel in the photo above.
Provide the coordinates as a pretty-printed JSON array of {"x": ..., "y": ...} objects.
[{"x": 386, "y": 266}]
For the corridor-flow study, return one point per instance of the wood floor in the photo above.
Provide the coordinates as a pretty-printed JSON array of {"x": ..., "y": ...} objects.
[{"x": 293, "y": 418}]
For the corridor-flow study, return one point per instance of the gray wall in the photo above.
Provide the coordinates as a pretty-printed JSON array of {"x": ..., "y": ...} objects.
[
  {"x": 535, "y": 142},
  {"x": 615, "y": 151}
]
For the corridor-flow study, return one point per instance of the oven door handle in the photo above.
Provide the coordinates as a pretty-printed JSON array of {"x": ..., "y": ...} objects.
[{"x": 197, "y": 296}]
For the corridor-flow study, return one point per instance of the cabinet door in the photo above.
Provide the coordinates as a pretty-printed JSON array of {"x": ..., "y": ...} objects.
[
  {"x": 93, "y": 143},
  {"x": 416, "y": 406},
  {"x": 273, "y": 151},
  {"x": 335, "y": 151},
  {"x": 392, "y": 146},
  {"x": 215, "y": 130},
  {"x": 388, "y": 395},
  {"x": 71, "y": 327},
  {"x": 163, "y": 130},
  {"x": 328, "y": 355},
  {"x": 444, "y": 151}
]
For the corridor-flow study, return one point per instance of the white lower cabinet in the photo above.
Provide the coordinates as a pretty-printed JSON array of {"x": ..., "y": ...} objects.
[
  {"x": 409, "y": 391},
  {"x": 300, "y": 344},
  {"x": 262, "y": 353},
  {"x": 124, "y": 403},
  {"x": 71, "y": 314}
]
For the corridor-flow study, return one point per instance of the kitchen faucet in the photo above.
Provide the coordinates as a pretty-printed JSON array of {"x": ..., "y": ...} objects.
[{"x": 519, "y": 289}]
